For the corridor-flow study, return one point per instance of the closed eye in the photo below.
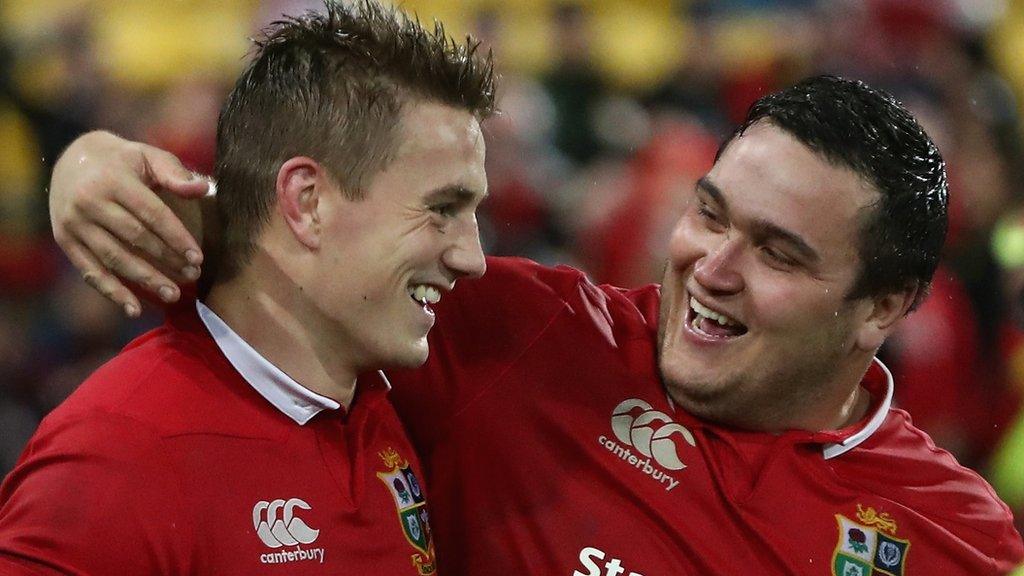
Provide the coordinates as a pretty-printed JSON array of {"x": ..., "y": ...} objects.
[
  {"x": 777, "y": 258},
  {"x": 447, "y": 209},
  {"x": 712, "y": 220},
  {"x": 451, "y": 201}
]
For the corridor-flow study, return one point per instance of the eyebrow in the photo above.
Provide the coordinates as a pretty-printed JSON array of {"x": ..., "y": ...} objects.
[
  {"x": 455, "y": 192},
  {"x": 712, "y": 190},
  {"x": 762, "y": 229}
]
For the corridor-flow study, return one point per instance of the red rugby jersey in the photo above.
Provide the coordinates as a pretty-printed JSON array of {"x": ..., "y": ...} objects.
[
  {"x": 551, "y": 448},
  {"x": 169, "y": 460}
]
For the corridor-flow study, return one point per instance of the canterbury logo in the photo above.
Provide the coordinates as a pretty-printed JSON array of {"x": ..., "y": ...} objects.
[
  {"x": 277, "y": 526},
  {"x": 652, "y": 433}
]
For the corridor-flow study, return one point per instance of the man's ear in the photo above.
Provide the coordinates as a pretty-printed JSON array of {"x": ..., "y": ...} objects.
[
  {"x": 298, "y": 195},
  {"x": 885, "y": 312}
]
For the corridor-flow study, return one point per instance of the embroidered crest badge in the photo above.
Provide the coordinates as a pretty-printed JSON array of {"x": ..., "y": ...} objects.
[
  {"x": 869, "y": 546},
  {"x": 411, "y": 506}
]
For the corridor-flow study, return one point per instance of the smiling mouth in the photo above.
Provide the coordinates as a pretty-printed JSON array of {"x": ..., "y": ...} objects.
[
  {"x": 425, "y": 295},
  {"x": 711, "y": 323}
]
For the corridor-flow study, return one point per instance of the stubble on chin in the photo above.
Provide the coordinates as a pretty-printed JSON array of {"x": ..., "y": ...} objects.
[{"x": 697, "y": 398}]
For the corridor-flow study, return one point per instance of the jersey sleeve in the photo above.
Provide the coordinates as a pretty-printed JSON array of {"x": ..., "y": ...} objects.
[
  {"x": 93, "y": 495},
  {"x": 955, "y": 522},
  {"x": 1009, "y": 551},
  {"x": 484, "y": 326},
  {"x": 481, "y": 328}
]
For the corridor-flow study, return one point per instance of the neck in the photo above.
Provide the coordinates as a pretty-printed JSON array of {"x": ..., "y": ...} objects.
[
  {"x": 268, "y": 311},
  {"x": 823, "y": 404},
  {"x": 855, "y": 407},
  {"x": 845, "y": 407}
]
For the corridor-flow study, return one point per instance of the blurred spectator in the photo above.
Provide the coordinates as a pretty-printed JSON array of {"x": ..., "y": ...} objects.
[
  {"x": 519, "y": 217},
  {"x": 184, "y": 122},
  {"x": 79, "y": 331},
  {"x": 52, "y": 78},
  {"x": 696, "y": 86},
  {"x": 624, "y": 243},
  {"x": 935, "y": 353},
  {"x": 18, "y": 416},
  {"x": 574, "y": 84}
]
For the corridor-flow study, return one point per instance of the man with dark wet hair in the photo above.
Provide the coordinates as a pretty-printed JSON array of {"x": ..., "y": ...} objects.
[
  {"x": 733, "y": 420},
  {"x": 253, "y": 432},
  {"x": 896, "y": 231}
]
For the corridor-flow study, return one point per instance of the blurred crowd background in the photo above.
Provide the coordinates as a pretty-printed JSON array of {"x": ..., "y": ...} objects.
[{"x": 611, "y": 111}]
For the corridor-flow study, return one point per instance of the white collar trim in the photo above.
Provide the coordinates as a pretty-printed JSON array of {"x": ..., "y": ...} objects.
[
  {"x": 853, "y": 440},
  {"x": 298, "y": 403}
]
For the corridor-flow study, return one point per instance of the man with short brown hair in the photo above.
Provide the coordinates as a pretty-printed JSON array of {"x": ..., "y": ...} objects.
[{"x": 254, "y": 429}]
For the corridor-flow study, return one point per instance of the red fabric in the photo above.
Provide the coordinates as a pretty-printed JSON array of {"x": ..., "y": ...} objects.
[
  {"x": 513, "y": 418},
  {"x": 935, "y": 353},
  {"x": 157, "y": 464}
]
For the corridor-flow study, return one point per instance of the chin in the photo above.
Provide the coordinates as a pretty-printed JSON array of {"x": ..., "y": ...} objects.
[
  {"x": 677, "y": 372},
  {"x": 412, "y": 356},
  {"x": 703, "y": 401},
  {"x": 698, "y": 394}
]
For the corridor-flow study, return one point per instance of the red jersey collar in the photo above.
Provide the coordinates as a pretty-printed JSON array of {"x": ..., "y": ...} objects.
[
  {"x": 297, "y": 402},
  {"x": 879, "y": 384}
]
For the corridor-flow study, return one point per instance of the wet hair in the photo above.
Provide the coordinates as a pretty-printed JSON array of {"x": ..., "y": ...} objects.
[
  {"x": 331, "y": 85},
  {"x": 868, "y": 131}
]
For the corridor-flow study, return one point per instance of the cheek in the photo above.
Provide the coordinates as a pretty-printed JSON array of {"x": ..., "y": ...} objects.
[
  {"x": 423, "y": 245},
  {"x": 352, "y": 277},
  {"x": 787, "y": 304}
]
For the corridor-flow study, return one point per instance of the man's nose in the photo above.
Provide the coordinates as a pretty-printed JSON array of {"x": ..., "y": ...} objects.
[
  {"x": 718, "y": 270},
  {"x": 465, "y": 257}
]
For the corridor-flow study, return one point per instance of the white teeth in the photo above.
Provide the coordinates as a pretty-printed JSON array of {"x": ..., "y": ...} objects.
[
  {"x": 425, "y": 294},
  {"x": 697, "y": 318},
  {"x": 704, "y": 311},
  {"x": 433, "y": 295}
]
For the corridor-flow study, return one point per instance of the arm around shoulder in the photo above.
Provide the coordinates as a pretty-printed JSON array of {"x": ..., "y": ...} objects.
[{"x": 109, "y": 209}]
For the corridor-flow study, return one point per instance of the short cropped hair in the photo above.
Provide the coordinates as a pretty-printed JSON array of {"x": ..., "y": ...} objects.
[
  {"x": 331, "y": 85},
  {"x": 868, "y": 131}
]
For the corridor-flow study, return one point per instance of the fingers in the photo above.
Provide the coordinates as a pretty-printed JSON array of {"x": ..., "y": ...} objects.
[
  {"x": 108, "y": 221},
  {"x": 165, "y": 170},
  {"x": 100, "y": 255},
  {"x": 102, "y": 281},
  {"x": 156, "y": 217},
  {"x": 134, "y": 234}
]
